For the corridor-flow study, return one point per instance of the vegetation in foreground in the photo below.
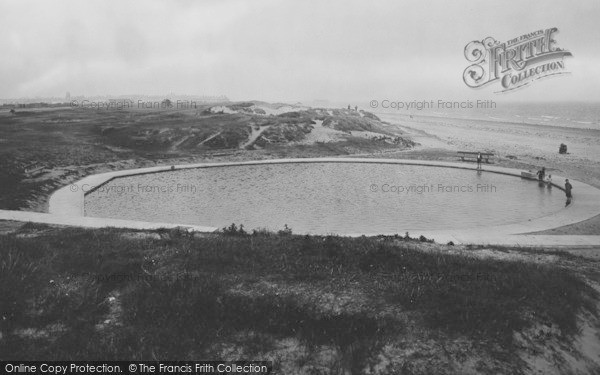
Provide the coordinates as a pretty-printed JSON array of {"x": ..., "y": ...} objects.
[{"x": 318, "y": 304}]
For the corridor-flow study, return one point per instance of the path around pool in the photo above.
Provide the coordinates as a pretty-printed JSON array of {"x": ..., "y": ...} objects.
[{"x": 66, "y": 207}]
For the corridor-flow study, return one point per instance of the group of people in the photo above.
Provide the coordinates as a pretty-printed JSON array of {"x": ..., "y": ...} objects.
[
  {"x": 542, "y": 178},
  {"x": 548, "y": 181}
]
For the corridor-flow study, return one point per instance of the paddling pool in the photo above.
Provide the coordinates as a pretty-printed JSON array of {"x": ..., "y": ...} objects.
[{"x": 326, "y": 198}]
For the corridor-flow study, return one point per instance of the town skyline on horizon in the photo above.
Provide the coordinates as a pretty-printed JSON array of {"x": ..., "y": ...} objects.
[{"x": 284, "y": 50}]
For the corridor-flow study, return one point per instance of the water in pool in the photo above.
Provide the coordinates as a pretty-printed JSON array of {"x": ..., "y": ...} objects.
[{"x": 324, "y": 198}]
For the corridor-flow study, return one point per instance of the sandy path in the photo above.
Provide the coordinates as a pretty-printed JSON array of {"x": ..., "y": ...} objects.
[
  {"x": 321, "y": 133},
  {"x": 209, "y": 138},
  {"x": 254, "y": 136},
  {"x": 179, "y": 143}
]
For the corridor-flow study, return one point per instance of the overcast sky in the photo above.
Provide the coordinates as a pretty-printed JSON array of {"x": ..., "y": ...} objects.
[{"x": 282, "y": 50}]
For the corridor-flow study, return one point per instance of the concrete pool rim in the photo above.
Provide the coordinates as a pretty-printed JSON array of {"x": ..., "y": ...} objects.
[{"x": 68, "y": 201}]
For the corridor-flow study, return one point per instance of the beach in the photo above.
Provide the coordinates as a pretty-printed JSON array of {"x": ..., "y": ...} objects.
[{"x": 515, "y": 145}]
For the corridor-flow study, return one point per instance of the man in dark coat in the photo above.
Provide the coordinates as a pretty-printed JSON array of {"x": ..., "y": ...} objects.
[{"x": 568, "y": 188}]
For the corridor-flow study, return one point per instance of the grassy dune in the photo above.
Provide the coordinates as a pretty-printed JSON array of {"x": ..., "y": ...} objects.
[
  {"x": 70, "y": 143},
  {"x": 304, "y": 302}
]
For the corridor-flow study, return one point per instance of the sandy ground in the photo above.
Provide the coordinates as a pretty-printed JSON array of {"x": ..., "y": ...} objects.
[
  {"x": 535, "y": 144},
  {"x": 322, "y": 133},
  {"x": 525, "y": 146},
  {"x": 276, "y": 110}
]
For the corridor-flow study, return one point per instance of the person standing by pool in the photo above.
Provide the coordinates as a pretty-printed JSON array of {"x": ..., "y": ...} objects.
[
  {"x": 568, "y": 188},
  {"x": 541, "y": 174},
  {"x": 479, "y": 160},
  {"x": 549, "y": 181}
]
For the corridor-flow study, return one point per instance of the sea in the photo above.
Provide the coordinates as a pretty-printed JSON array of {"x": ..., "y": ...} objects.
[{"x": 582, "y": 115}]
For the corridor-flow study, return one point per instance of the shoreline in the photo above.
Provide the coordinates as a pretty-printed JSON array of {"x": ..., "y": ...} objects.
[{"x": 433, "y": 117}]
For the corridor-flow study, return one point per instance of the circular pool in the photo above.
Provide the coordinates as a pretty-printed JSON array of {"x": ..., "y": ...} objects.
[{"x": 328, "y": 197}]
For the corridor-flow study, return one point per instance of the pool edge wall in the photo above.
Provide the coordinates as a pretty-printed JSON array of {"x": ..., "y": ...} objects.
[{"x": 69, "y": 201}]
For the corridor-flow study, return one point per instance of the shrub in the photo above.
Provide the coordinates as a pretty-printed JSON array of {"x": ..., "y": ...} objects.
[
  {"x": 233, "y": 230},
  {"x": 286, "y": 231}
]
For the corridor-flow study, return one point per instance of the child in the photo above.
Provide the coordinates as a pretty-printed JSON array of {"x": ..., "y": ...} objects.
[{"x": 541, "y": 174}]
